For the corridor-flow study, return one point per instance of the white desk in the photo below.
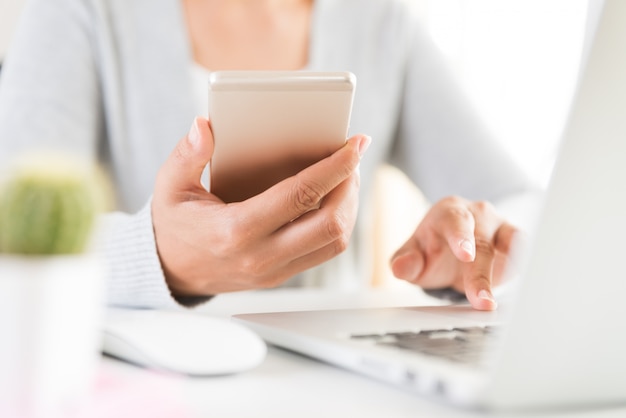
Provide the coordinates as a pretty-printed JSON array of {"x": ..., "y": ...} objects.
[{"x": 290, "y": 385}]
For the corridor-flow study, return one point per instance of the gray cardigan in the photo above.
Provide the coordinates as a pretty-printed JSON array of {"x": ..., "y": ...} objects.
[{"x": 110, "y": 79}]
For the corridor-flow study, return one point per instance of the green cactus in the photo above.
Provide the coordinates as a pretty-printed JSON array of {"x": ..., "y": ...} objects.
[{"x": 48, "y": 209}]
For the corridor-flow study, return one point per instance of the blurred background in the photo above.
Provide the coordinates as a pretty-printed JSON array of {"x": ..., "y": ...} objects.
[
  {"x": 9, "y": 13},
  {"x": 518, "y": 60}
]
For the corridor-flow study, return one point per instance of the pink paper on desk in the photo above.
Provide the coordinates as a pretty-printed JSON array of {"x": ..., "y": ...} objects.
[{"x": 149, "y": 394}]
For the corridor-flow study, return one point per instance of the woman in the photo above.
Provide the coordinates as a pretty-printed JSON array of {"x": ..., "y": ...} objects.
[{"x": 120, "y": 81}]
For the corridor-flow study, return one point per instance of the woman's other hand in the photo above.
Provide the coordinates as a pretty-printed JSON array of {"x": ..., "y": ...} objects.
[
  {"x": 208, "y": 247},
  {"x": 459, "y": 244}
]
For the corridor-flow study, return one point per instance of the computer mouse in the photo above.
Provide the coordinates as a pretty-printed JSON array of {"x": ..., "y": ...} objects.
[{"x": 182, "y": 342}]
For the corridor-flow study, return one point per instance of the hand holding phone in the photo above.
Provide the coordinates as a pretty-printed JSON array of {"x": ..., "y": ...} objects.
[{"x": 207, "y": 247}]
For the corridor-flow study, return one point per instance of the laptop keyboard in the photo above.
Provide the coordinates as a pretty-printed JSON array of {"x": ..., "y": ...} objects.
[{"x": 460, "y": 345}]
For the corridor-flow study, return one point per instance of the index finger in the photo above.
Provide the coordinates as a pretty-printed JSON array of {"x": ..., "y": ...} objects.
[
  {"x": 477, "y": 276},
  {"x": 298, "y": 194}
]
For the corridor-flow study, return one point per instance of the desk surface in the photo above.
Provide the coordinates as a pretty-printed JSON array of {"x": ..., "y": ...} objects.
[{"x": 290, "y": 385}]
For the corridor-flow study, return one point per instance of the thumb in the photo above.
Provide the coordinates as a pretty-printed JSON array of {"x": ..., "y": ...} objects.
[
  {"x": 408, "y": 262},
  {"x": 183, "y": 169}
]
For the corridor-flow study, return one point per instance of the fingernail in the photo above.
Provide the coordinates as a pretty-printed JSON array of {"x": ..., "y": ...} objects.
[
  {"x": 364, "y": 144},
  {"x": 468, "y": 247},
  {"x": 486, "y": 295},
  {"x": 194, "y": 134}
]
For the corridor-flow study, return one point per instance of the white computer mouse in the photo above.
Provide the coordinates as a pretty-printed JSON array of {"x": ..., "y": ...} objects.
[{"x": 181, "y": 342}]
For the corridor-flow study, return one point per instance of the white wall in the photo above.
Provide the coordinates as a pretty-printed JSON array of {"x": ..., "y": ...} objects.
[
  {"x": 519, "y": 60},
  {"x": 9, "y": 12}
]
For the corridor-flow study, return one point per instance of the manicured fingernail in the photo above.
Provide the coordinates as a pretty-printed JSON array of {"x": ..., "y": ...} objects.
[
  {"x": 194, "y": 134},
  {"x": 364, "y": 144},
  {"x": 486, "y": 295},
  {"x": 468, "y": 247}
]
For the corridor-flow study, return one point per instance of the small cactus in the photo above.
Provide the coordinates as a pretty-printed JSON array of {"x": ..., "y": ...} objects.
[{"x": 49, "y": 208}]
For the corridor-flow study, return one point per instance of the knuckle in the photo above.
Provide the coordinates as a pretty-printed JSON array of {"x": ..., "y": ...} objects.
[
  {"x": 307, "y": 194},
  {"x": 239, "y": 234},
  {"x": 457, "y": 211},
  {"x": 339, "y": 232},
  {"x": 341, "y": 244},
  {"x": 485, "y": 247},
  {"x": 230, "y": 239},
  {"x": 454, "y": 207},
  {"x": 504, "y": 237},
  {"x": 452, "y": 201},
  {"x": 224, "y": 250},
  {"x": 483, "y": 207},
  {"x": 254, "y": 268},
  {"x": 222, "y": 247},
  {"x": 336, "y": 226}
]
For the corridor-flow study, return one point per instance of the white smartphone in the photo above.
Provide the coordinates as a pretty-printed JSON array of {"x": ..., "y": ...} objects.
[{"x": 269, "y": 125}]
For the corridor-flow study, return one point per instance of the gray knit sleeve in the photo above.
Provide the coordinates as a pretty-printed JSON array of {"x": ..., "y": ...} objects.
[{"x": 135, "y": 276}]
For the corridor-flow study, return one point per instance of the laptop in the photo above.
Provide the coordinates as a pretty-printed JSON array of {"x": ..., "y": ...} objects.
[{"x": 561, "y": 342}]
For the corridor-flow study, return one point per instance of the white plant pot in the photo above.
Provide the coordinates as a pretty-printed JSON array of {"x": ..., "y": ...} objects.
[{"x": 51, "y": 312}]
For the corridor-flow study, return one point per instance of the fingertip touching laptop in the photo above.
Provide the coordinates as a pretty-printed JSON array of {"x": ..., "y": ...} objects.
[{"x": 562, "y": 342}]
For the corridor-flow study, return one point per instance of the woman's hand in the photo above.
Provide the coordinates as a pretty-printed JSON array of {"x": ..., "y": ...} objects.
[
  {"x": 459, "y": 244},
  {"x": 207, "y": 246}
]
